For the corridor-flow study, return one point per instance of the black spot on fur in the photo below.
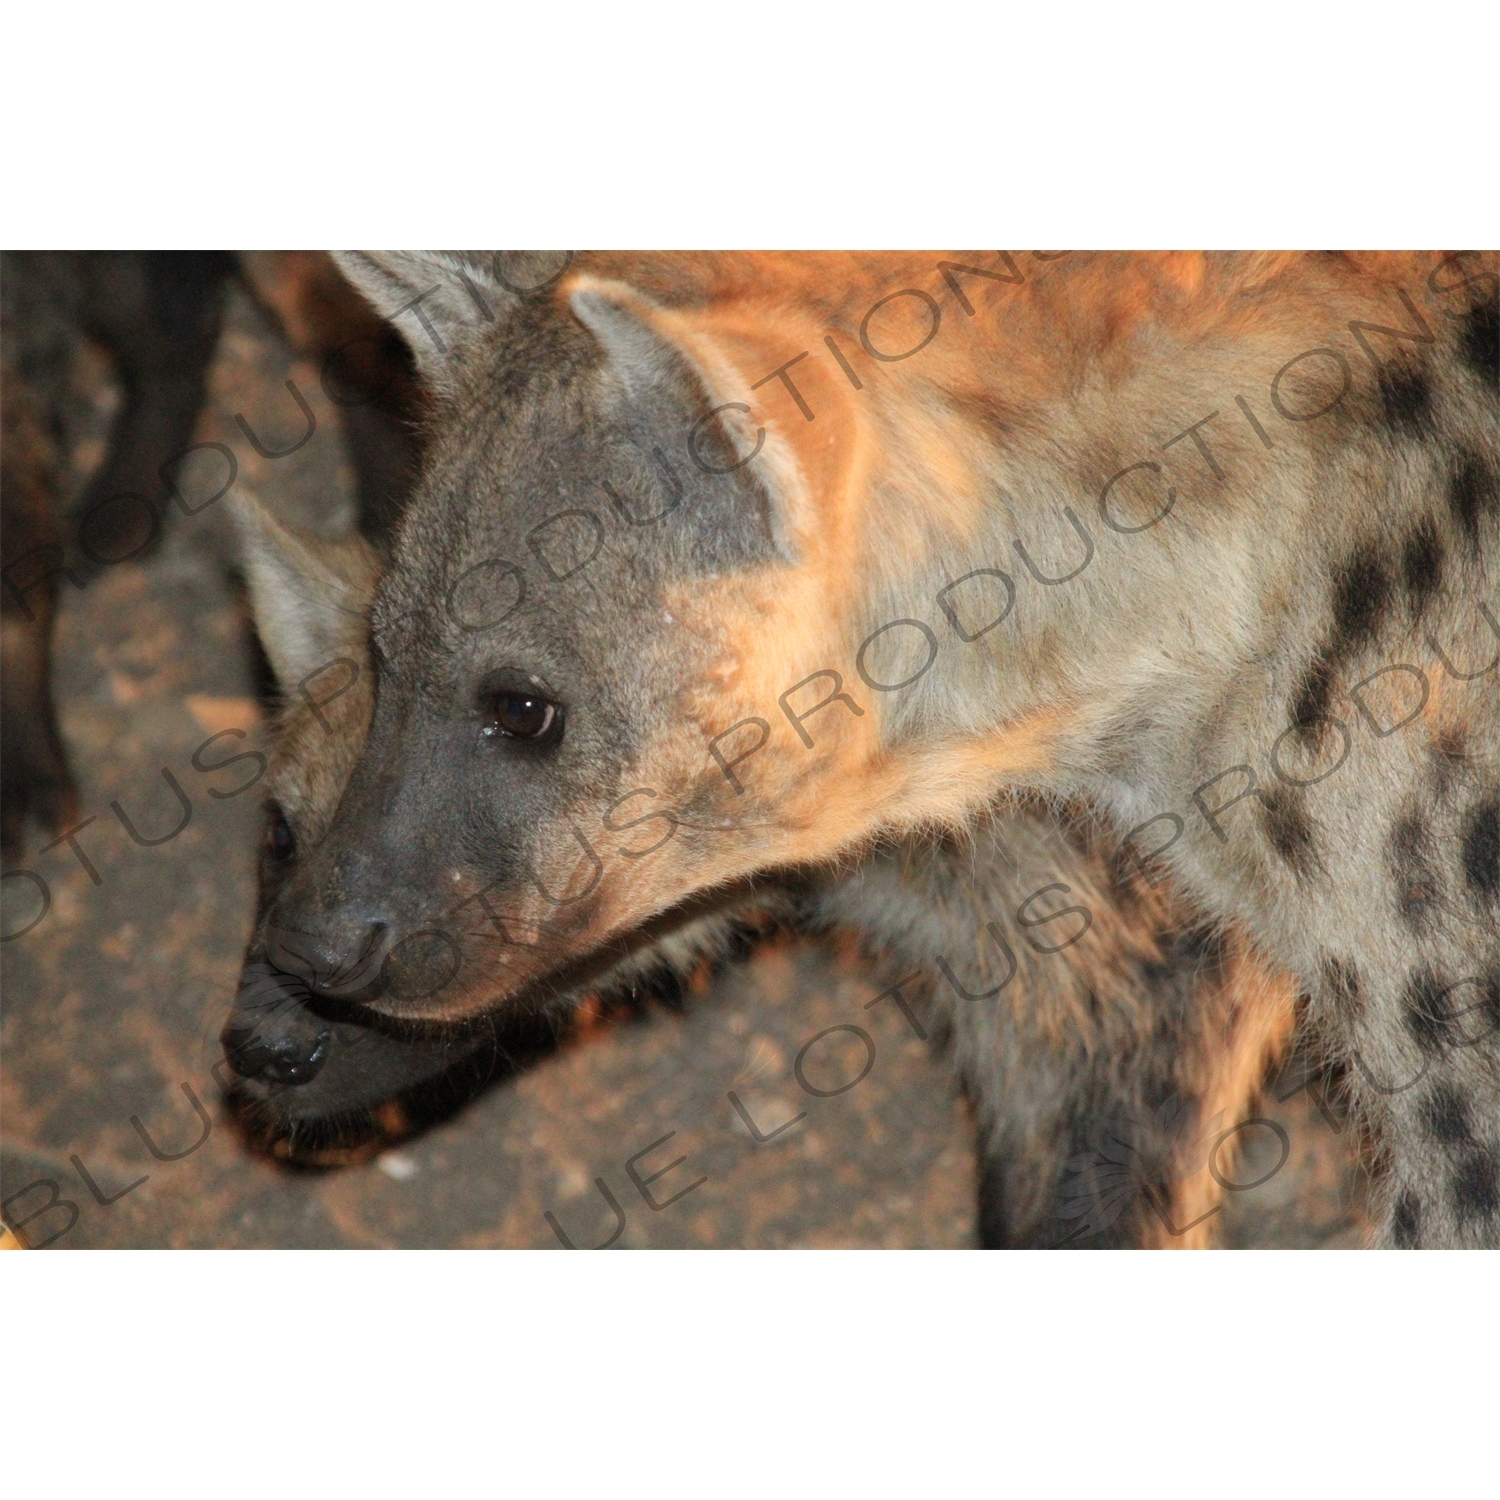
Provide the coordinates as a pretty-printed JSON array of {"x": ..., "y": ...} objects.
[
  {"x": 1481, "y": 341},
  {"x": 1310, "y": 707},
  {"x": 1482, "y": 849},
  {"x": 1342, "y": 979},
  {"x": 1445, "y": 1116},
  {"x": 1422, "y": 566},
  {"x": 1429, "y": 1015},
  {"x": 1406, "y": 1222},
  {"x": 1418, "y": 885},
  {"x": 1362, "y": 592},
  {"x": 1362, "y": 595},
  {"x": 1406, "y": 398},
  {"x": 1476, "y": 1188},
  {"x": 1284, "y": 811},
  {"x": 1473, "y": 494}
]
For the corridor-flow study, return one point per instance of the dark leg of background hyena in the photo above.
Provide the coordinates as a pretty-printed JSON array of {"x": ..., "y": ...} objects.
[
  {"x": 37, "y": 330},
  {"x": 1102, "y": 1073},
  {"x": 34, "y": 775},
  {"x": 157, "y": 316}
]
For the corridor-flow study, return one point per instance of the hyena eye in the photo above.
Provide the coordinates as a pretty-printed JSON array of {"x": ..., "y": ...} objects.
[
  {"x": 521, "y": 716},
  {"x": 514, "y": 706},
  {"x": 281, "y": 842}
]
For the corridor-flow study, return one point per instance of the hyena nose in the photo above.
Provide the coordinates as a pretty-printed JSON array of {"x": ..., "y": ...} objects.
[
  {"x": 271, "y": 1035},
  {"x": 343, "y": 963}
]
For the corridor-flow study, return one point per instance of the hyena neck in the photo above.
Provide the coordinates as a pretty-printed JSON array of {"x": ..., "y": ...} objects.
[{"x": 1237, "y": 623}]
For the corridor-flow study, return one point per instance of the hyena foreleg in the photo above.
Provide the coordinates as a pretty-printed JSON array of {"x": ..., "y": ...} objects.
[{"x": 1110, "y": 1049}]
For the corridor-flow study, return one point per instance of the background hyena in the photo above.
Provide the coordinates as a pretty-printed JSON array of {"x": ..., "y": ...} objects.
[
  {"x": 963, "y": 601},
  {"x": 157, "y": 316}
]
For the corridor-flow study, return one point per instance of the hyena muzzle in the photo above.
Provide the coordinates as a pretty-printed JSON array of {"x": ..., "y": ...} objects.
[{"x": 1112, "y": 641}]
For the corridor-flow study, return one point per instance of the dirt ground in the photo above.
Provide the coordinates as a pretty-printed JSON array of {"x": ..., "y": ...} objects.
[{"x": 113, "y": 1002}]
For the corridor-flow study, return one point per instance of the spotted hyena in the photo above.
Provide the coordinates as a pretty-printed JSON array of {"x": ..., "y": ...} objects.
[{"x": 1111, "y": 640}]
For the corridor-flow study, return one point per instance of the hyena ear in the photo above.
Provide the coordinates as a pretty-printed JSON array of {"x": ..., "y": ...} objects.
[
  {"x": 311, "y": 598},
  {"x": 441, "y": 300},
  {"x": 651, "y": 348},
  {"x": 626, "y": 327}
]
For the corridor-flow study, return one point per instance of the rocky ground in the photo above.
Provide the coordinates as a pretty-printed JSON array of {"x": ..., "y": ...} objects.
[{"x": 113, "y": 1001}]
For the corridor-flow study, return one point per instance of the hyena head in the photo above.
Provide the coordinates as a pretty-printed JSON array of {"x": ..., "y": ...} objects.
[{"x": 600, "y": 685}]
